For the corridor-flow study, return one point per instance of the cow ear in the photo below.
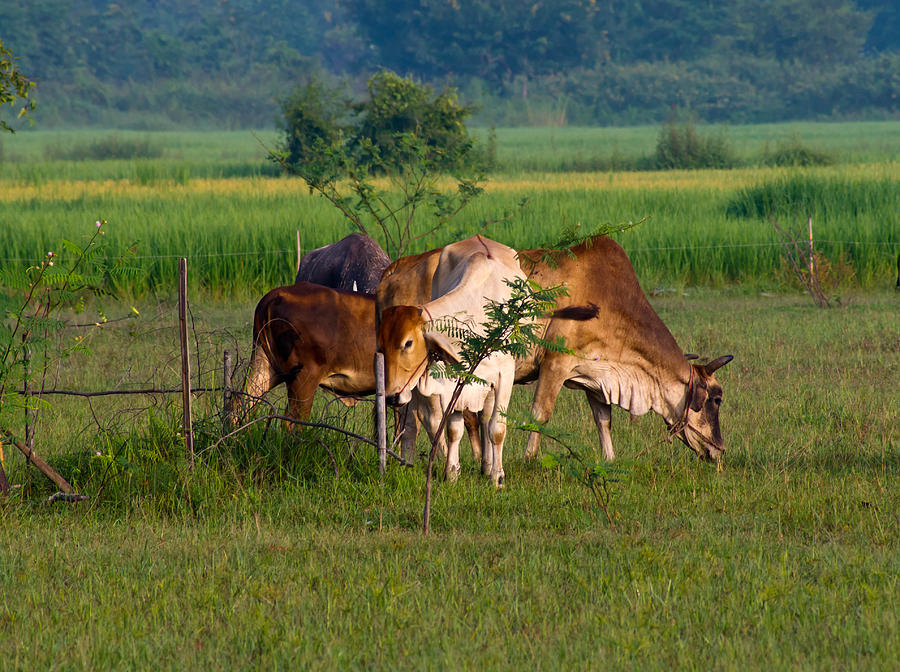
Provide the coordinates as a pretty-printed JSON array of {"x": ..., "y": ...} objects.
[
  {"x": 717, "y": 364},
  {"x": 440, "y": 347}
]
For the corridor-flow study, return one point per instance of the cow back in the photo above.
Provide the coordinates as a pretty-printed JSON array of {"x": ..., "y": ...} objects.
[{"x": 354, "y": 263}]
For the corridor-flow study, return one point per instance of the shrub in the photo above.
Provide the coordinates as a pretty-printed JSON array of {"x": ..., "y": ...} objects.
[
  {"x": 108, "y": 148},
  {"x": 680, "y": 145},
  {"x": 794, "y": 153},
  {"x": 318, "y": 123},
  {"x": 313, "y": 116}
]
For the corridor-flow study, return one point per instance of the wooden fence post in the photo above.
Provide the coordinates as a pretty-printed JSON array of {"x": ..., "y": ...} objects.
[
  {"x": 4, "y": 483},
  {"x": 185, "y": 361},
  {"x": 380, "y": 412},
  {"x": 228, "y": 397},
  {"x": 298, "y": 253},
  {"x": 29, "y": 420}
]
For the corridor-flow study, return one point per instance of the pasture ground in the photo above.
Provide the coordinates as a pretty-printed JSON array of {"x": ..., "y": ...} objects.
[{"x": 789, "y": 557}]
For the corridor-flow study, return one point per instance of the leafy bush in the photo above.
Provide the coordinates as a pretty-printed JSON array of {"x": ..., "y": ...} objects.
[
  {"x": 794, "y": 152},
  {"x": 318, "y": 123},
  {"x": 680, "y": 145},
  {"x": 108, "y": 148},
  {"x": 313, "y": 118}
]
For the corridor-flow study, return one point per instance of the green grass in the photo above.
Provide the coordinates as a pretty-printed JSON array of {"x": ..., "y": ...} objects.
[
  {"x": 787, "y": 558},
  {"x": 573, "y": 148},
  {"x": 241, "y": 153}
]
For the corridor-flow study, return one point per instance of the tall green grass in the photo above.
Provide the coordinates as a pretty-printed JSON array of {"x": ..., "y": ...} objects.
[{"x": 245, "y": 244}]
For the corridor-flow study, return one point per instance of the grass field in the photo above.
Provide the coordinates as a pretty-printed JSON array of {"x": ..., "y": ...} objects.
[{"x": 285, "y": 550}]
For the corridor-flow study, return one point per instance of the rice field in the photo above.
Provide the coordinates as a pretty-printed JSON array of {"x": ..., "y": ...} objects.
[{"x": 698, "y": 227}]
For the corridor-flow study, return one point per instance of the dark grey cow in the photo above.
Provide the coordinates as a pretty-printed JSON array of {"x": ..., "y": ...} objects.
[{"x": 355, "y": 263}]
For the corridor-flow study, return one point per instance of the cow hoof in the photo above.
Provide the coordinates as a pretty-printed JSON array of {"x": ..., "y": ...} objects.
[
  {"x": 452, "y": 473},
  {"x": 498, "y": 482}
]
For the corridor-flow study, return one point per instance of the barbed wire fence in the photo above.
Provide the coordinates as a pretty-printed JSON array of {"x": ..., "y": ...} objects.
[
  {"x": 221, "y": 356},
  {"x": 205, "y": 364}
]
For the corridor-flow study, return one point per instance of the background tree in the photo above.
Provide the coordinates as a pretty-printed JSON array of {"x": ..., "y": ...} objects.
[
  {"x": 168, "y": 63},
  {"x": 14, "y": 86}
]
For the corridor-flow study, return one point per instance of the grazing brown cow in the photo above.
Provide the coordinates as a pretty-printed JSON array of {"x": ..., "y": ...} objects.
[
  {"x": 306, "y": 335},
  {"x": 625, "y": 356},
  {"x": 355, "y": 263}
]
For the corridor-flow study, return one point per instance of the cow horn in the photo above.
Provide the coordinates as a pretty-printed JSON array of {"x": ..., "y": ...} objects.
[
  {"x": 717, "y": 363},
  {"x": 690, "y": 355}
]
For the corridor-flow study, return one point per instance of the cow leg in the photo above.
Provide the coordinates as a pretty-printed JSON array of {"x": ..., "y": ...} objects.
[
  {"x": 602, "y": 413},
  {"x": 501, "y": 396},
  {"x": 553, "y": 375},
  {"x": 301, "y": 392},
  {"x": 261, "y": 379},
  {"x": 487, "y": 445},
  {"x": 430, "y": 411},
  {"x": 472, "y": 429},
  {"x": 455, "y": 426},
  {"x": 409, "y": 428}
]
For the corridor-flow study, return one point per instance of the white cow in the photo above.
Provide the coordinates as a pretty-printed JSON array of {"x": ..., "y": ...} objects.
[{"x": 468, "y": 274}]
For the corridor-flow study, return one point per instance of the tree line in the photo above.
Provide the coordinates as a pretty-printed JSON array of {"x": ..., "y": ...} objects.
[{"x": 229, "y": 63}]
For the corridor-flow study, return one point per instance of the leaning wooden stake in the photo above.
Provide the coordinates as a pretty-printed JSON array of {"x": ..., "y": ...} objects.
[
  {"x": 185, "y": 361},
  {"x": 380, "y": 412},
  {"x": 45, "y": 468}
]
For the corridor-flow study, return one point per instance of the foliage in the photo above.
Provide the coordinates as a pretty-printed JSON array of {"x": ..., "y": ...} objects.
[
  {"x": 108, "y": 148},
  {"x": 31, "y": 302},
  {"x": 402, "y": 133},
  {"x": 398, "y": 106},
  {"x": 320, "y": 122},
  {"x": 312, "y": 119},
  {"x": 511, "y": 327},
  {"x": 203, "y": 62},
  {"x": 794, "y": 152},
  {"x": 14, "y": 86},
  {"x": 681, "y": 146},
  {"x": 582, "y": 464}
]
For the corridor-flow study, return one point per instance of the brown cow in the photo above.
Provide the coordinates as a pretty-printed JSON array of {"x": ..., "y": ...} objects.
[
  {"x": 625, "y": 356},
  {"x": 306, "y": 335}
]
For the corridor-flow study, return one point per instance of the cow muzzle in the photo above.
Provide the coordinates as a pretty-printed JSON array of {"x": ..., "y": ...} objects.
[{"x": 705, "y": 447}]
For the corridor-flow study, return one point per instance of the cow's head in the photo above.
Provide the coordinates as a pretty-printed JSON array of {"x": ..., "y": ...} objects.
[
  {"x": 700, "y": 429},
  {"x": 408, "y": 349}
]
